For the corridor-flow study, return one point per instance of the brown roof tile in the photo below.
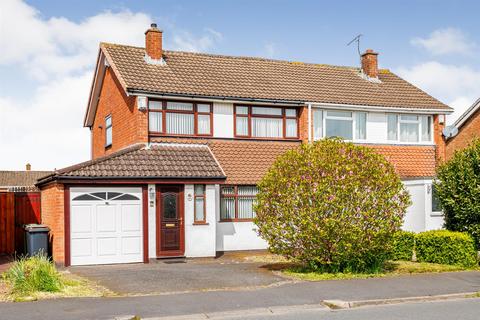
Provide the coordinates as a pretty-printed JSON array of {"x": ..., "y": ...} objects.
[
  {"x": 158, "y": 161},
  {"x": 255, "y": 78},
  {"x": 246, "y": 162},
  {"x": 20, "y": 178}
]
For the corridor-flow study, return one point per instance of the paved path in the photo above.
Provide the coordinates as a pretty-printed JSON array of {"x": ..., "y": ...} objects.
[{"x": 216, "y": 301}]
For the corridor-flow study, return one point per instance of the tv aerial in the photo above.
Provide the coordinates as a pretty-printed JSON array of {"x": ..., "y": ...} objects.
[{"x": 357, "y": 40}]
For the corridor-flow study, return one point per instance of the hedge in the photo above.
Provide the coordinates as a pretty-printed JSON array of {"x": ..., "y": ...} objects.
[
  {"x": 403, "y": 245},
  {"x": 446, "y": 247}
]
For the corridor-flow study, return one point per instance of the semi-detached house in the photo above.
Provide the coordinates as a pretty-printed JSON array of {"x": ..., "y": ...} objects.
[{"x": 179, "y": 141}]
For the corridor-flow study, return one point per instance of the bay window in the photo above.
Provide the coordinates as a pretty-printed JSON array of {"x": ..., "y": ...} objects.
[
  {"x": 266, "y": 122},
  {"x": 347, "y": 125},
  {"x": 180, "y": 118},
  {"x": 236, "y": 203},
  {"x": 409, "y": 128}
]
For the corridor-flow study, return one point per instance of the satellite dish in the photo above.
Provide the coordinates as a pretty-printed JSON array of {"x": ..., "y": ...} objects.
[{"x": 450, "y": 131}]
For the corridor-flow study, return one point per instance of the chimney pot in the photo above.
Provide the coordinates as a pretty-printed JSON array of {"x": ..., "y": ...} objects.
[
  {"x": 153, "y": 42},
  {"x": 28, "y": 166},
  {"x": 370, "y": 63}
]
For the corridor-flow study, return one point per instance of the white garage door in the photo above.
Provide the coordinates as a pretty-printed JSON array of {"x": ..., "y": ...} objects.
[
  {"x": 106, "y": 225},
  {"x": 415, "y": 217}
]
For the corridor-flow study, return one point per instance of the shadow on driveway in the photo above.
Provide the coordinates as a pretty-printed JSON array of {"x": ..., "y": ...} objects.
[{"x": 163, "y": 276}]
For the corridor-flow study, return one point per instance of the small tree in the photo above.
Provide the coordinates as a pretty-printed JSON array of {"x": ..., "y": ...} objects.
[
  {"x": 331, "y": 205},
  {"x": 458, "y": 189}
]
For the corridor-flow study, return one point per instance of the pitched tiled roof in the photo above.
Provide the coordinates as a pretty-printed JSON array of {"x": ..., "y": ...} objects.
[
  {"x": 410, "y": 161},
  {"x": 255, "y": 78},
  {"x": 246, "y": 162},
  {"x": 158, "y": 161},
  {"x": 20, "y": 178}
]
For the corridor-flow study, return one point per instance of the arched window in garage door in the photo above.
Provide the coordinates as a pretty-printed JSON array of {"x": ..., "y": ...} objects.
[{"x": 111, "y": 196}]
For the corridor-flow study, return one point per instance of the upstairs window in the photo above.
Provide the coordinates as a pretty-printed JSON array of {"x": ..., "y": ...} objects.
[
  {"x": 347, "y": 125},
  {"x": 266, "y": 122},
  {"x": 180, "y": 118},
  {"x": 108, "y": 131},
  {"x": 409, "y": 128}
]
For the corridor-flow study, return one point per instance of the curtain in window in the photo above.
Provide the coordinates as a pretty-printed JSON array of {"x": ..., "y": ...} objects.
[
  {"x": 246, "y": 200},
  {"x": 409, "y": 132},
  {"x": 392, "y": 127},
  {"x": 361, "y": 125},
  {"x": 242, "y": 126},
  {"x": 180, "y": 123},
  {"x": 291, "y": 128},
  {"x": 317, "y": 124},
  {"x": 426, "y": 128},
  {"x": 267, "y": 127},
  {"x": 203, "y": 124},
  {"x": 155, "y": 121}
]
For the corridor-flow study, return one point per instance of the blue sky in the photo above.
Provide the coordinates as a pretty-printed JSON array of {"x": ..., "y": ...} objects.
[{"x": 49, "y": 51}]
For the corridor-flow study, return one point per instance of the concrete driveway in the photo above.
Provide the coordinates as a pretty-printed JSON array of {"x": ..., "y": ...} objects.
[{"x": 163, "y": 276}]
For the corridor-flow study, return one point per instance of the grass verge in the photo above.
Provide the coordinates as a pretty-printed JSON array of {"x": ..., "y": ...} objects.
[
  {"x": 36, "y": 278},
  {"x": 392, "y": 268}
]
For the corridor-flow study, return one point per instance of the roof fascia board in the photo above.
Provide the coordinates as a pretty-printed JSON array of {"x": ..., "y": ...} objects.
[
  {"x": 188, "y": 97},
  {"x": 467, "y": 114},
  {"x": 378, "y": 108},
  {"x": 95, "y": 90}
]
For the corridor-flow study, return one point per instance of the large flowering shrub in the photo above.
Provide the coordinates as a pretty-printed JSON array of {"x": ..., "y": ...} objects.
[{"x": 331, "y": 205}]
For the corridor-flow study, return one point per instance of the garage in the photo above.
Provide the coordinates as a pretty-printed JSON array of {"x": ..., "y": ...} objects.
[{"x": 106, "y": 225}]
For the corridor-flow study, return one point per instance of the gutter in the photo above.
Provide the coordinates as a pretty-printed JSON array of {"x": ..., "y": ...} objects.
[
  {"x": 355, "y": 107},
  {"x": 213, "y": 98}
]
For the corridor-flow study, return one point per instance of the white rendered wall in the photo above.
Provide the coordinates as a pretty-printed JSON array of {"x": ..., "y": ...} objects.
[
  {"x": 233, "y": 236},
  {"x": 200, "y": 238},
  {"x": 222, "y": 120},
  {"x": 152, "y": 223}
]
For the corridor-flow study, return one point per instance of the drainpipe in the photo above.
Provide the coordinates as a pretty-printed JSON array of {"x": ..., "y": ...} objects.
[{"x": 309, "y": 123}]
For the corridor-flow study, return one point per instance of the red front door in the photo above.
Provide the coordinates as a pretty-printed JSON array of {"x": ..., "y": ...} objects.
[{"x": 170, "y": 221}]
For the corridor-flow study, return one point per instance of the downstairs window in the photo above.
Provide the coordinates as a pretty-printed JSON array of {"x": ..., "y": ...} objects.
[{"x": 237, "y": 203}]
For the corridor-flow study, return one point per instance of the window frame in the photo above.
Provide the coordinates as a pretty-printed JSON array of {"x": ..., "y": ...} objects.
[
  {"x": 251, "y": 115},
  {"x": 107, "y": 128},
  {"x": 419, "y": 121},
  {"x": 324, "y": 114},
  {"x": 194, "y": 111},
  {"x": 235, "y": 196},
  {"x": 204, "y": 197}
]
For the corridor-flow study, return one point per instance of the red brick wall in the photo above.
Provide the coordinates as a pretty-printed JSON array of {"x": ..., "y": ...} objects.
[
  {"x": 129, "y": 125},
  {"x": 303, "y": 124},
  {"x": 53, "y": 217},
  {"x": 467, "y": 132},
  {"x": 440, "y": 151}
]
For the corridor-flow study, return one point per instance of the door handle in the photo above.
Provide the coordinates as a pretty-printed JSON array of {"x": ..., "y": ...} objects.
[{"x": 170, "y": 225}]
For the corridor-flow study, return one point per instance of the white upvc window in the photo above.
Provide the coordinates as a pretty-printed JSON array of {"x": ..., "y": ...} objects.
[
  {"x": 409, "y": 128},
  {"x": 348, "y": 125}
]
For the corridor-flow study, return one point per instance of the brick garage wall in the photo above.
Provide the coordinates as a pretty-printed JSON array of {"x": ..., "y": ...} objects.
[
  {"x": 467, "y": 132},
  {"x": 129, "y": 125},
  {"x": 53, "y": 216}
]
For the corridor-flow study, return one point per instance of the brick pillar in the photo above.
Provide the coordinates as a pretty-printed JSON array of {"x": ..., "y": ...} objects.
[
  {"x": 370, "y": 63},
  {"x": 153, "y": 42}
]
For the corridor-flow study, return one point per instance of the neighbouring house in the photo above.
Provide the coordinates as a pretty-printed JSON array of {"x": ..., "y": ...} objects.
[
  {"x": 19, "y": 205},
  {"x": 179, "y": 141},
  {"x": 468, "y": 126}
]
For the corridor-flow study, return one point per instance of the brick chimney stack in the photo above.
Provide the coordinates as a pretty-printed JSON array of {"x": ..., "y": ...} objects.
[
  {"x": 370, "y": 63},
  {"x": 28, "y": 166},
  {"x": 153, "y": 42}
]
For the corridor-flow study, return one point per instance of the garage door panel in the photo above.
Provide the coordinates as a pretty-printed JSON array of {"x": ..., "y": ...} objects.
[
  {"x": 81, "y": 219},
  {"x": 131, "y": 217},
  {"x": 107, "y": 246},
  {"x": 106, "y": 231},
  {"x": 106, "y": 218},
  {"x": 131, "y": 245},
  {"x": 81, "y": 247}
]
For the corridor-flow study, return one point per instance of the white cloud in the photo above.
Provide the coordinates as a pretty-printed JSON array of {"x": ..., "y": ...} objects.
[
  {"x": 446, "y": 41},
  {"x": 44, "y": 126},
  {"x": 185, "y": 41},
  {"x": 457, "y": 86}
]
